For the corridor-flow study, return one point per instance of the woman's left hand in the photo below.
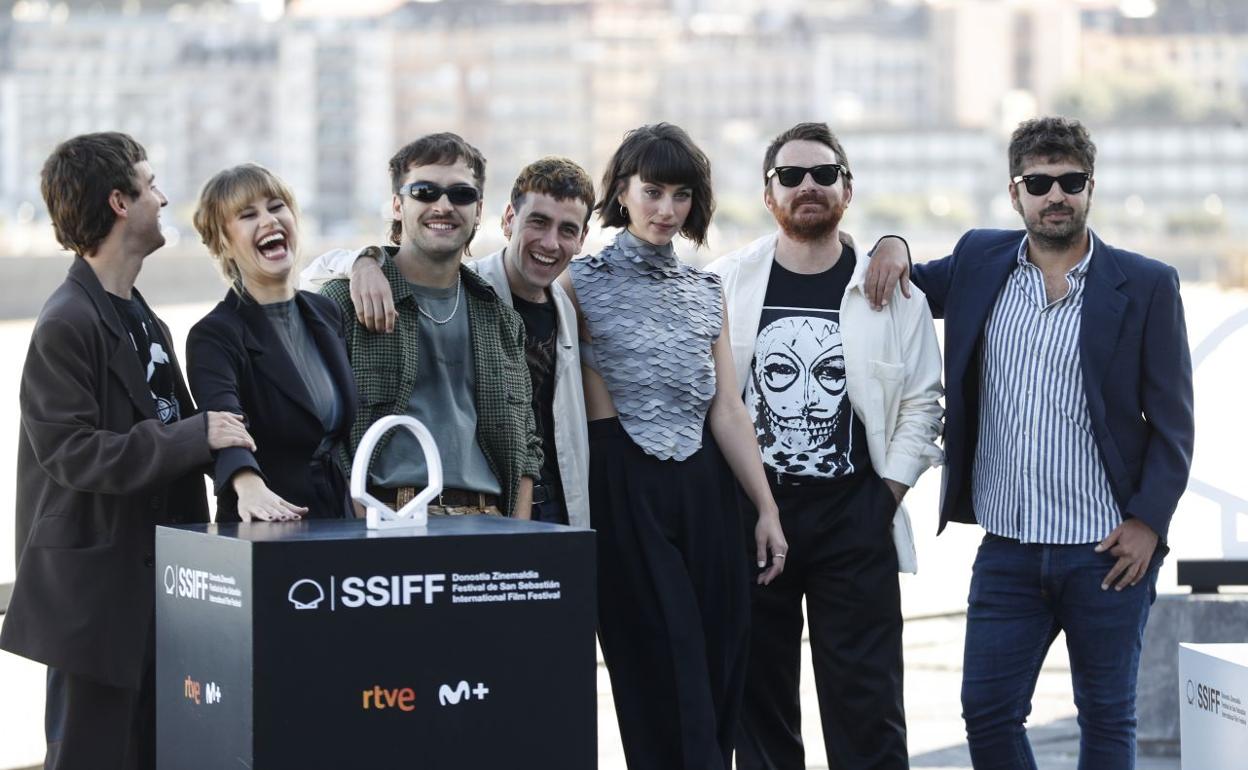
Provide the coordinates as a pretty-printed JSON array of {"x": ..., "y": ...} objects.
[{"x": 769, "y": 537}]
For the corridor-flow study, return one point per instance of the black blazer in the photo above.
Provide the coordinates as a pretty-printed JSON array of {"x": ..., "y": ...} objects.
[
  {"x": 96, "y": 472},
  {"x": 1137, "y": 370},
  {"x": 236, "y": 363}
]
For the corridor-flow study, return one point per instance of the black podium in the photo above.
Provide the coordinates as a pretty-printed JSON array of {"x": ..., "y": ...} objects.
[{"x": 320, "y": 644}]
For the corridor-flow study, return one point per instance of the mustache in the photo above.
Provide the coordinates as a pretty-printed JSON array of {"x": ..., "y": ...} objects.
[
  {"x": 1057, "y": 209},
  {"x": 813, "y": 196}
]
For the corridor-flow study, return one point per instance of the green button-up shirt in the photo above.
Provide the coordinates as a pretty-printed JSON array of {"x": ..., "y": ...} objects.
[{"x": 386, "y": 367}]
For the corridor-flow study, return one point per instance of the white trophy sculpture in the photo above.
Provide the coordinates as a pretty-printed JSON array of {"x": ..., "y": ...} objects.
[{"x": 416, "y": 512}]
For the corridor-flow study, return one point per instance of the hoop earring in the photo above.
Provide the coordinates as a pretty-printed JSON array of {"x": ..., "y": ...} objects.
[{"x": 623, "y": 210}]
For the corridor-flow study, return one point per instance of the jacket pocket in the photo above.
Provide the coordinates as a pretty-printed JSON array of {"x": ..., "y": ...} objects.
[
  {"x": 377, "y": 387},
  {"x": 885, "y": 386},
  {"x": 883, "y": 370}
]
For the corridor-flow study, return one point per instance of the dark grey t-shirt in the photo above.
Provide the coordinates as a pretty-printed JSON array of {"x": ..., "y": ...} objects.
[
  {"x": 444, "y": 399},
  {"x": 309, "y": 363}
]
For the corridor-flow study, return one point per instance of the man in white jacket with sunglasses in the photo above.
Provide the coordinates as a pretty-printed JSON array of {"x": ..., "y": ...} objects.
[{"x": 845, "y": 400}]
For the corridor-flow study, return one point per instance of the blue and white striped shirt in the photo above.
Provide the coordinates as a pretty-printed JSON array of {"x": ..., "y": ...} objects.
[{"x": 1038, "y": 476}]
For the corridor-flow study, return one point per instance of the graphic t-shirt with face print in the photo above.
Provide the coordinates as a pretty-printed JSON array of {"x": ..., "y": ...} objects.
[
  {"x": 152, "y": 349},
  {"x": 796, "y": 390}
]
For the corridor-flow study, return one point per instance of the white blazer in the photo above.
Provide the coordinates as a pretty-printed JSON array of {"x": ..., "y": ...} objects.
[
  {"x": 571, "y": 431},
  {"x": 892, "y": 368}
]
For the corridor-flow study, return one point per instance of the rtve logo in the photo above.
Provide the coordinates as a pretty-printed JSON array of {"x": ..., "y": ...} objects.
[
  {"x": 378, "y": 698},
  {"x": 193, "y": 691},
  {"x": 1204, "y": 697}
]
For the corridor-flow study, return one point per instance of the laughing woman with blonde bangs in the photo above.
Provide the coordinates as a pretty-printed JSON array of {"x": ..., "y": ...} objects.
[{"x": 272, "y": 354}]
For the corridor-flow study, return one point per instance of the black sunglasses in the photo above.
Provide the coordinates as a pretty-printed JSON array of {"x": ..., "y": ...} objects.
[
  {"x": 1040, "y": 184},
  {"x": 791, "y": 176},
  {"x": 428, "y": 192}
]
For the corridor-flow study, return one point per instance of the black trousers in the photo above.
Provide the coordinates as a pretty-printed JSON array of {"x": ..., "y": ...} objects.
[
  {"x": 842, "y": 560},
  {"x": 672, "y": 599},
  {"x": 92, "y": 726}
]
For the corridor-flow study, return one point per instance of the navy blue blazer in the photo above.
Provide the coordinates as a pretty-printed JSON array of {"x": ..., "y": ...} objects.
[
  {"x": 1137, "y": 369},
  {"x": 237, "y": 363}
]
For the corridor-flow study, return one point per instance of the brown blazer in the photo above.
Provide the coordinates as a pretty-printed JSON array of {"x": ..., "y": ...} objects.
[{"x": 96, "y": 471}]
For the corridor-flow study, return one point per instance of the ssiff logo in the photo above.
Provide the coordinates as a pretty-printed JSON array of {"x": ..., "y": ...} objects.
[
  {"x": 1204, "y": 697},
  {"x": 193, "y": 691},
  {"x": 375, "y": 591},
  {"x": 306, "y": 594},
  {"x": 187, "y": 583}
]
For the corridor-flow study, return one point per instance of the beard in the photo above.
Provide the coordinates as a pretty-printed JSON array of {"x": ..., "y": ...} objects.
[
  {"x": 811, "y": 225},
  {"x": 1058, "y": 235}
]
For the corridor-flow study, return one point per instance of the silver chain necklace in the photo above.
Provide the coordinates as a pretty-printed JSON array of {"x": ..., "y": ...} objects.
[{"x": 459, "y": 292}]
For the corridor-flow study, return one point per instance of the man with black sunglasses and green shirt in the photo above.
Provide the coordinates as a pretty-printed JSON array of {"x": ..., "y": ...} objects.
[
  {"x": 845, "y": 402},
  {"x": 456, "y": 357}
]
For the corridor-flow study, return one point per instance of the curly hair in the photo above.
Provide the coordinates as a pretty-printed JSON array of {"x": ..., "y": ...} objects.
[
  {"x": 1051, "y": 138},
  {"x": 557, "y": 177}
]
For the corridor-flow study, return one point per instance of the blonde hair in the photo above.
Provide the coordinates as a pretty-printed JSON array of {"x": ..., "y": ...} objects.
[{"x": 223, "y": 196}]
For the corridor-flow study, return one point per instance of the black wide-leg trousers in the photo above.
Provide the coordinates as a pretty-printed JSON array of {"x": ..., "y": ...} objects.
[
  {"x": 842, "y": 560},
  {"x": 673, "y": 601}
]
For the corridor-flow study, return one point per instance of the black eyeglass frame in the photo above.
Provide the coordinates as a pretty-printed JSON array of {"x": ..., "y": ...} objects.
[
  {"x": 431, "y": 192},
  {"x": 779, "y": 172},
  {"x": 1072, "y": 183}
]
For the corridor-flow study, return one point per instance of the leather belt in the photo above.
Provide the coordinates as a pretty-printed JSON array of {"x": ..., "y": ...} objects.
[{"x": 450, "y": 498}]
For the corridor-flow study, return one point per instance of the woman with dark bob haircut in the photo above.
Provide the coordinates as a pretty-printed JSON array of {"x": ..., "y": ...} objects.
[
  {"x": 665, "y": 414},
  {"x": 272, "y": 354}
]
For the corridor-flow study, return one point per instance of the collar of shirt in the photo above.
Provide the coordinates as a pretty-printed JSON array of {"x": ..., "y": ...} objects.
[{"x": 1080, "y": 268}]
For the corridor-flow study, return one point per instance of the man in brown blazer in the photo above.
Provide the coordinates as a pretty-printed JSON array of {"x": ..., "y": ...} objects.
[{"x": 110, "y": 446}]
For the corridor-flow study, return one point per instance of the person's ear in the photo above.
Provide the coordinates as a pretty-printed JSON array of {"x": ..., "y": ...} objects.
[
  {"x": 509, "y": 220},
  {"x": 119, "y": 202}
]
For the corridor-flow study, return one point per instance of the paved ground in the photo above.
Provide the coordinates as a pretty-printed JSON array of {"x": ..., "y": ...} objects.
[
  {"x": 933, "y": 673},
  {"x": 933, "y": 676}
]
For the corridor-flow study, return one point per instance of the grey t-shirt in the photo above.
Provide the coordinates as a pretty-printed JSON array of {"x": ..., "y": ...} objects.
[
  {"x": 444, "y": 399},
  {"x": 309, "y": 363}
]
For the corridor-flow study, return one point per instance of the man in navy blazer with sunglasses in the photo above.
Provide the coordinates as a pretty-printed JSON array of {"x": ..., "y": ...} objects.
[{"x": 1068, "y": 437}]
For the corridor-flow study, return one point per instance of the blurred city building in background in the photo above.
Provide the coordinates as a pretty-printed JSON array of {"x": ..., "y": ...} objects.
[{"x": 923, "y": 94}]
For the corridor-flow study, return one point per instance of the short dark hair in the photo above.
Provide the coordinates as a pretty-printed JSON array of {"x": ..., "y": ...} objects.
[
  {"x": 557, "y": 177},
  {"x": 664, "y": 154},
  {"x": 441, "y": 149},
  {"x": 1051, "y": 138},
  {"x": 808, "y": 132},
  {"x": 76, "y": 181}
]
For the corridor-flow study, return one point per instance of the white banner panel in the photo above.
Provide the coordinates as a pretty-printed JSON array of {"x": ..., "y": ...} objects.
[{"x": 1213, "y": 705}]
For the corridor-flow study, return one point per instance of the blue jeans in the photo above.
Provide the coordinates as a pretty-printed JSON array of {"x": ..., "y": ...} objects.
[{"x": 1021, "y": 596}]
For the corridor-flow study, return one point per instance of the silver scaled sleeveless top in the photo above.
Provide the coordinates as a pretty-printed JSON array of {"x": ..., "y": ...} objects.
[{"x": 653, "y": 321}]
